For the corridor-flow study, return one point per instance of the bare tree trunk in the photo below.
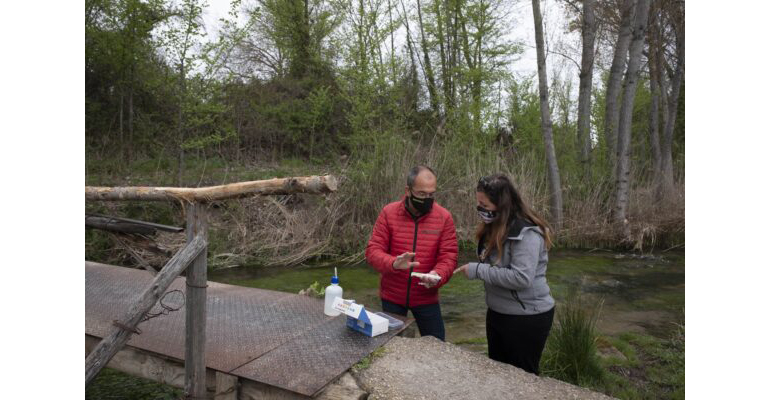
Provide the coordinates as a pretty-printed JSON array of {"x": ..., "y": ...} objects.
[
  {"x": 120, "y": 122},
  {"x": 440, "y": 24},
  {"x": 413, "y": 82},
  {"x": 554, "y": 180},
  {"x": 428, "y": 68},
  {"x": 455, "y": 49},
  {"x": 667, "y": 163},
  {"x": 392, "y": 45},
  {"x": 622, "y": 176},
  {"x": 130, "y": 143},
  {"x": 180, "y": 130},
  {"x": 586, "y": 83},
  {"x": 654, "y": 45},
  {"x": 611, "y": 111},
  {"x": 655, "y": 123}
]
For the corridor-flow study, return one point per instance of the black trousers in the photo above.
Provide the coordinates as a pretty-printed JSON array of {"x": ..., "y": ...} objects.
[
  {"x": 428, "y": 317},
  {"x": 518, "y": 339}
]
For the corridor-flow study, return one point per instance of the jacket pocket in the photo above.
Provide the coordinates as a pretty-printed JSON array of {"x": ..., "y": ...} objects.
[{"x": 515, "y": 295}]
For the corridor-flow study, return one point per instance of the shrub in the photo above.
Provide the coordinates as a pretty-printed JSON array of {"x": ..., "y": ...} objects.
[{"x": 570, "y": 353}]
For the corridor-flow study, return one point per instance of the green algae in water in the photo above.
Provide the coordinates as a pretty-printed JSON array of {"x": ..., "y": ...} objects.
[{"x": 634, "y": 289}]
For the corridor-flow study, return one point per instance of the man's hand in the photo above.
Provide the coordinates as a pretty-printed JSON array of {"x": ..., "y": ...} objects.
[
  {"x": 430, "y": 279},
  {"x": 403, "y": 261},
  {"x": 462, "y": 270}
]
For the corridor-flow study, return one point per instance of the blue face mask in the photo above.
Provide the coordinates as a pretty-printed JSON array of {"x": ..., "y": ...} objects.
[{"x": 486, "y": 215}]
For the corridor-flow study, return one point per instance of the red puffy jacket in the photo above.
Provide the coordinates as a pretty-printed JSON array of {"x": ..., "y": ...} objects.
[{"x": 432, "y": 237}]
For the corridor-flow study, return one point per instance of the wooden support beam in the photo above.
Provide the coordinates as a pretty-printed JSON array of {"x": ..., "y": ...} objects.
[
  {"x": 305, "y": 184},
  {"x": 195, "y": 317},
  {"x": 127, "y": 325},
  {"x": 107, "y": 222},
  {"x": 112, "y": 225}
]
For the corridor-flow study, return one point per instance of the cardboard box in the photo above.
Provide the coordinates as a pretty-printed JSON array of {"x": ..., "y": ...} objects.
[{"x": 359, "y": 319}]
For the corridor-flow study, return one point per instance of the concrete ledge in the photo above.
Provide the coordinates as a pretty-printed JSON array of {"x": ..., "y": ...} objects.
[{"x": 427, "y": 368}]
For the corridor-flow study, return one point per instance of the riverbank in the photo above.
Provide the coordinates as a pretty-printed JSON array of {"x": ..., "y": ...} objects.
[
  {"x": 640, "y": 323},
  {"x": 291, "y": 230}
]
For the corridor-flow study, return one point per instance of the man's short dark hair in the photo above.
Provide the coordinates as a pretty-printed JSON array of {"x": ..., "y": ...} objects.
[{"x": 416, "y": 171}]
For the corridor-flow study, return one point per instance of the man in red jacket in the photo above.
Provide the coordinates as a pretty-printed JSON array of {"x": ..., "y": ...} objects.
[{"x": 414, "y": 235}]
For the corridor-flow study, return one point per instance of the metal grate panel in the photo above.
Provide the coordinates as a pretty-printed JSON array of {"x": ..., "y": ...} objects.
[{"x": 277, "y": 338}]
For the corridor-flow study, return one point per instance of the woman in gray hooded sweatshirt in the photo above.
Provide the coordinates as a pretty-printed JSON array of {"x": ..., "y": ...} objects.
[{"x": 513, "y": 243}]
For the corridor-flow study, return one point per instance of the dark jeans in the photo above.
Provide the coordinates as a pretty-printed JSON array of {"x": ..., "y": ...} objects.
[
  {"x": 518, "y": 339},
  {"x": 428, "y": 317}
]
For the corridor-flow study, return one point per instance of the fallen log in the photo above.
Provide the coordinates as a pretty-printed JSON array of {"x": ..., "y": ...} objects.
[{"x": 277, "y": 186}]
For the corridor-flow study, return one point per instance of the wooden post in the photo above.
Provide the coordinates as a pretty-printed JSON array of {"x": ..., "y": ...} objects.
[
  {"x": 110, "y": 345},
  {"x": 195, "y": 318}
]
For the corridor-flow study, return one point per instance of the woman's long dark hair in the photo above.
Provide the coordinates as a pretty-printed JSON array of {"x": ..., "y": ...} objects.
[{"x": 500, "y": 191}]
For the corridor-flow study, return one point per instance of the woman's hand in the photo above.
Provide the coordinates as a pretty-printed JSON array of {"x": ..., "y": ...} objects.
[{"x": 463, "y": 270}]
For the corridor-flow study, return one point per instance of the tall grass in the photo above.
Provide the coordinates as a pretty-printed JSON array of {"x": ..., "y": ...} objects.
[
  {"x": 293, "y": 229},
  {"x": 570, "y": 353}
]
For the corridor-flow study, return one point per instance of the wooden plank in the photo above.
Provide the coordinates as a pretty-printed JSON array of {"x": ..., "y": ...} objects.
[
  {"x": 227, "y": 387},
  {"x": 305, "y": 184},
  {"x": 120, "y": 335},
  {"x": 195, "y": 317}
]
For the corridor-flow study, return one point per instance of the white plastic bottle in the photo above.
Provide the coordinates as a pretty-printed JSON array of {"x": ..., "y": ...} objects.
[{"x": 332, "y": 291}]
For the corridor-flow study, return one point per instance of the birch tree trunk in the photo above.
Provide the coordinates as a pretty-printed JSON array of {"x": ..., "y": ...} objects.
[
  {"x": 622, "y": 175},
  {"x": 586, "y": 83},
  {"x": 554, "y": 180},
  {"x": 611, "y": 111}
]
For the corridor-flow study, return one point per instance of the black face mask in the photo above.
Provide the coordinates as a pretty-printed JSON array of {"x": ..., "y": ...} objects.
[{"x": 423, "y": 206}]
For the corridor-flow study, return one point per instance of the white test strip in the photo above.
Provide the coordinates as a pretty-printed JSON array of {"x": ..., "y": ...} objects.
[{"x": 429, "y": 276}]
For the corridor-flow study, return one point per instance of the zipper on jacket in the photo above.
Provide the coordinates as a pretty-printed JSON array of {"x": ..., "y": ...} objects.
[
  {"x": 414, "y": 247},
  {"x": 516, "y": 296}
]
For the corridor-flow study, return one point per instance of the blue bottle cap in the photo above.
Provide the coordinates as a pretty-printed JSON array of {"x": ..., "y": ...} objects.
[{"x": 335, "y": 279}]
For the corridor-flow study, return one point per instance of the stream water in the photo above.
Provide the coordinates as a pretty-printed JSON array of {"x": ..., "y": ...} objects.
[{"x": 633, "y": 293}]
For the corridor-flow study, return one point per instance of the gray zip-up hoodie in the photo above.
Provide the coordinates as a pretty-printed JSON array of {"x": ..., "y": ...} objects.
[{"x": 516, "y": 283}]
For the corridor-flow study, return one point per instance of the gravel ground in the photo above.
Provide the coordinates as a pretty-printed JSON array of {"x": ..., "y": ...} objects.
[{"x": 427, "y": 368}]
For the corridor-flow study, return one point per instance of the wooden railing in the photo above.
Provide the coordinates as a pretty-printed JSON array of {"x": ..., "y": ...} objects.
[{"x": 192, "y": 258}]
